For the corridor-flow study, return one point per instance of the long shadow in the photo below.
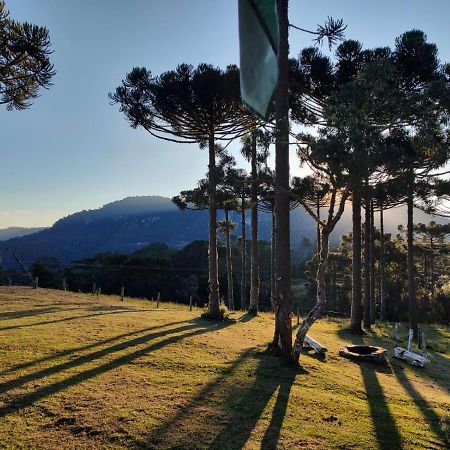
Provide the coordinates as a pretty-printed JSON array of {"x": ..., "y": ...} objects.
[
  {"x": 66, "y": 319},
  {"x": 68, "y": 352},
  {"x": 386, "y": 430},
  {"x": 245, "y": 405},
  {"x": 26, "y": 400},
  {"x": 388, "y": 435},
  {"x": 8, "y": 315},
  {"x": 246, "y": 317},
  {"x": 427, "y": 411},
  {"x": 34, "y": 376}
]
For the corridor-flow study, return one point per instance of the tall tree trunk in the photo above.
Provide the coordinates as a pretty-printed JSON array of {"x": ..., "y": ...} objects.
[
  {"x": 318, "y": 226},
  {"x": 320, "y": 306},
  {"x": 254, "y": 270},
  {"x": 333, "y": 307},
  {"x": 273, "y": 275},
  {"x": 229, "y": 263},
  {"x": 283, "y": 308},
  {"x": 373, "y": 305},
  {"x": 244, "y": 258},
  {"x": 410, "y": 242},
  {"x": 356, "y": 312},
  {"x": 213, "y": 261},
  {"x": 382, "y": 268},
  {"x": 367, "y": 319},
  {"x": 432, "y": 268}
]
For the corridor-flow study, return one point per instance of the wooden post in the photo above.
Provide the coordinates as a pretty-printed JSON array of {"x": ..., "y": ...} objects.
[
  {"x": 396, "y": 333},
  {"x": 94, "y": 287},
  {"x": 298, "y": 315},
  {"x": 36, "y": 282},
  {"x": 410, "y": 339},
  {"x": 122, "y": 293},
  {"x": 422, "y": 344},
  {"x": 158, "y": 298},
  {"x": 190, "y": 303},
  {"x": 64, "y": 285}
]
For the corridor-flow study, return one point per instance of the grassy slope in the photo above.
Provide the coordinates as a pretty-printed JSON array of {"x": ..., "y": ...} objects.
[{"x": 77, "y": 371}]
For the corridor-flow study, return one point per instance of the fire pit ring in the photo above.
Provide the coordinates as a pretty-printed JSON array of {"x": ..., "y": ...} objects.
[{"x": 364, "y": 353}]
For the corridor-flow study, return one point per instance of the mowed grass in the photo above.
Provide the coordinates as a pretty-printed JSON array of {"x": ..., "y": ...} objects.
[{"x": 77, "y": 371}]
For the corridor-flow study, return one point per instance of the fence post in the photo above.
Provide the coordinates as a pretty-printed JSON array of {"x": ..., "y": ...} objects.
[
  {"x": 122, "y": 293},
  {"x": 64, "y": 285},
  {"x": 158, "y": 298},
  {"x": 36, "y": 282},
  {"x": 298, "y": 315},
  {"x": 190, "y": 303},
  {"x": 94, "y": 287}
]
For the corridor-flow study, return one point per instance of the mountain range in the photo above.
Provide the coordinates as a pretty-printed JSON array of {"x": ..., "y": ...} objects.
[
  {"x": 127, "y": 225},
  {"x": 12, "y": 232}
]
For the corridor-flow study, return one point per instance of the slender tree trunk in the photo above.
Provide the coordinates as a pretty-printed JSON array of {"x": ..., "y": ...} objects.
[
  {"x": 432, "y": 268},
  {"x": 273, "y": 275},
  {"x": 229, "y": 263},
  {"x": 356, "y": 312},
  {"x": 410, "y": 241},
  {"x": 382, "y": 267},
  {"x": 333, "y": 307},
  {"x": 213, "y": 262},
  {"x": 254, "y": 270},
  {"x": 244, "y": 258},
  {"x": 320, "y": 306},
  {"x": 373, "y": 305},
  {"x": 367, "y": 319},
  {"x": 283, "y": 308},
  {"x": 318, "y": 226}
]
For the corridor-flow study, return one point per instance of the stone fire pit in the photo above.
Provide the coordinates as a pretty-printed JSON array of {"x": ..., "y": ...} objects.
[{"x": 364, "y": 353}]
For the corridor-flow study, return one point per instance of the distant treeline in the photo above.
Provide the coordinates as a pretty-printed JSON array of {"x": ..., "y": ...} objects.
[{"x": 176, "y": 274}]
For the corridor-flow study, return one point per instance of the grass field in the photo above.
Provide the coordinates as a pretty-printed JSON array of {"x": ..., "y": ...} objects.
[{"x": 77, "y": 371}]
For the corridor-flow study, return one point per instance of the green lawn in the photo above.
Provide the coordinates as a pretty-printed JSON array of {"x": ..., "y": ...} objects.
[{"x": 77, "y": 371}]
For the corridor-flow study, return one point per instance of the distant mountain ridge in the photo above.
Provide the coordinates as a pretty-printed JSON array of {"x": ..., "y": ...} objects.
[
  {"x": 130, "y": 224},
  {"x": 125, "y": 226},
  {"x": 12, "y": 232}
]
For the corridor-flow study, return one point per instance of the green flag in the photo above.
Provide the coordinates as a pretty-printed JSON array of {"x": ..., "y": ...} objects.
[{"x": 258, "y": 37}]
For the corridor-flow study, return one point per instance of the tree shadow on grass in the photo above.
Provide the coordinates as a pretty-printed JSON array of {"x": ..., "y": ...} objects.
[
  {"x": 9, "y": 315},
  {"x": 197, "y": 327},
  {"x": 386, "y": 430},
  {"x": 66, "y": 319},
  {"x": 70, "y": 351},
  {"x": 388, "y": 435},
  {"x": 246, "y": 317},
  {"x": 427, "y": 411},
  {"x": 238, "y": 405}
]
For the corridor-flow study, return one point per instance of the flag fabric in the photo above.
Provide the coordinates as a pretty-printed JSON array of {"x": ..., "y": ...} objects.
[{"x": 258, "y": 39}]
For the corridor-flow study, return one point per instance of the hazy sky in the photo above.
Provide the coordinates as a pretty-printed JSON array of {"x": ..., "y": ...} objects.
[{"x": 72, "y": 150}]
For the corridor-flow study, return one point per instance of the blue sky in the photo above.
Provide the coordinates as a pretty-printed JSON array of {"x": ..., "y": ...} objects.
[{"x": 72, "y": 150}]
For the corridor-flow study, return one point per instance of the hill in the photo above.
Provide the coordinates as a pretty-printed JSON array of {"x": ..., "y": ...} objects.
[
  {"x": 12, "y": 232},
  {"x": 127, "y": 225},
  {"x": 83, "y": 372}
]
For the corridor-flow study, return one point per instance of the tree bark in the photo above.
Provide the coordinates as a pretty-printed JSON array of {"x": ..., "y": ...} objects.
[
  {"x": 318, "y": 226},
  {"x": 432, "y": 264},
  {"x": 273, "y": 275},
  {"x": 373, "y": 304},
  {"x": 356, "y": 311},
  {"x": 411, "y": 269},
  {"x": 229, "y": 263},
  {"x": 382, "y": 267},
  {"x": 367, "y": 319},
  {"x": 320, "y": 306},
  {"x": 254, "y": 270},
  {"x": 283, "y": 307},
  {"x": 213, "y": 262},
  {"x": 244, "y": 258}
]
